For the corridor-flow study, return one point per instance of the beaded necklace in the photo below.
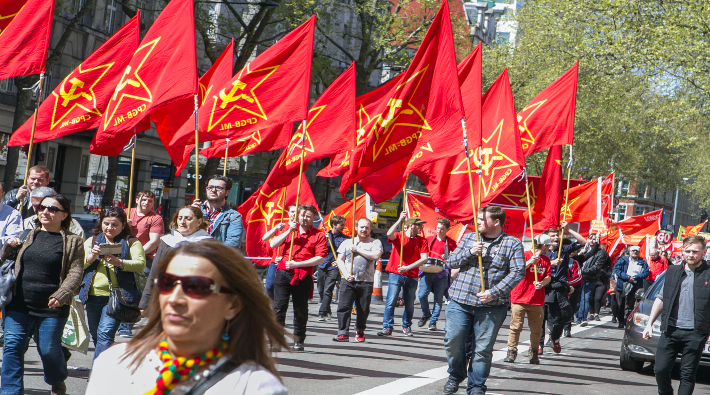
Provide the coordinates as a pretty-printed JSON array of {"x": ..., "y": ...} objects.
[{"x": 179, "y": 369}]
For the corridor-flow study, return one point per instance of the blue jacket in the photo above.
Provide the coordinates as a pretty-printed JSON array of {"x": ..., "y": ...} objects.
[
  {"x": 620, "y": 270},
  {"x": 228, "y": 228}
]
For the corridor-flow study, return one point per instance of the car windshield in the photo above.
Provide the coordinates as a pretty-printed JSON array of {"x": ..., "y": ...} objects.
[{"x": 655, "y": 288}]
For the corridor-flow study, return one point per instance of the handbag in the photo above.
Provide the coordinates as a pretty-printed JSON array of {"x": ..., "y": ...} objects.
[
  {"x": 118, "y": 308},
  {"x": 7, "y": 272},
  {"x": 76, "y": 330}
]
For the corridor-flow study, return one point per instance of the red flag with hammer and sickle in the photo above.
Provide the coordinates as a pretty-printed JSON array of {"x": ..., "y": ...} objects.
[
  {"x": 25, "y": 29},
  {"x": 159, "y": 82},
  {"x": 264, "y": 210},
  {"x": 80, "y": 100},
  {"x": 549, "y": 118},
  {"x": 271, "y": 90},
  {"x": 346, "y": 210},
  {"x": 410, "y": 118}
]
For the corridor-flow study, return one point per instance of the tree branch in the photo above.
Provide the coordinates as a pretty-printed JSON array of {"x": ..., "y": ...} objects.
[{"x": 327, "y": 37}]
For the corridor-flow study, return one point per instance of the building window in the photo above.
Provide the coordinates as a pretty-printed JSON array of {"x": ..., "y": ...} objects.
[
  {"x": 110, "y": 16},
  {"x": 7, "y": 85},
  {"x": 51, "y": 153},
  {"x": 624, "y": 188},
  {"x": 639, "y": 210},
  {"x": 620, "y": 212},
  {"x": 84, "y": 167}
]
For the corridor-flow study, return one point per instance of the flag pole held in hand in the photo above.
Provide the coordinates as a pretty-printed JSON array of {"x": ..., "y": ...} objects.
[
  {"x": 564, "y": 212},
  {"x": 532, "y": 235},
  {"x": 34, "y": 125},
  {"x": 298, "y": 191},
  {"x": 473, "y": 201}
]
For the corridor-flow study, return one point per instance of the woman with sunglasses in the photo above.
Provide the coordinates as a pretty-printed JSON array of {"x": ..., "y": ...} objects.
[
  {"x": 209, "y": 328},
  {"x": 48, "y": 268},
  {"x": 112, "y": 229},
  {"x": 189, "y": 226}
]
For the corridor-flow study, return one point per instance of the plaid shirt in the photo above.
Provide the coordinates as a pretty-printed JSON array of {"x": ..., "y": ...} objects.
[
  {"x": 211, "y": 216},
  {"x": 503, "y": 265}
]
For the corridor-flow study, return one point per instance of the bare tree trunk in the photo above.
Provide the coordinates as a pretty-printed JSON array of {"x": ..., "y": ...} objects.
[{"x": 110, "y": 191}]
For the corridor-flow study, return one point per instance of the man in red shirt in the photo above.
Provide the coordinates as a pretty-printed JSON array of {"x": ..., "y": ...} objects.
[
  {"x": 440, "y": 246},
  {"x": 656, "y": 265},
  {"x": 403, "y": 273},
  {"x": 294, "y": 274},
  {"x": 529, "y": 297},
  {"x": 146, "y": 225}
]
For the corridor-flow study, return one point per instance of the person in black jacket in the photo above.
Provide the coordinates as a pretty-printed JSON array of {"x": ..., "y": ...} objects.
[
  {"x": 684, "y": 307},
  {"x": 595, "y": 269}
]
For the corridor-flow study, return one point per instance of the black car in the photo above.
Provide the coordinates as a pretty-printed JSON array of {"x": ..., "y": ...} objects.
[{"x": 635, "y": 350}]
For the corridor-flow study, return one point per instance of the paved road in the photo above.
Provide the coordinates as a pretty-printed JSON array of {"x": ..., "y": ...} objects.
[{"x": 588, "y": 364}]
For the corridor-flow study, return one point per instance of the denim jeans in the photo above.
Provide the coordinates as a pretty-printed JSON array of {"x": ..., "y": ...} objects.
[
  {"x": 481, "y": 326},
  {"x": 585, "y": 300},
  {"x": 102, "y": 327},
  {"x": 430, "y": 282},
  {"x": 408, "y": 285},
  {"x": 269, "y": 281},
  {"x": 17, "y": 335}
]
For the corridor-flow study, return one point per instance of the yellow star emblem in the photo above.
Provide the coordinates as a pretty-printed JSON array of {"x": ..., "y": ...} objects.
[
  {"x": 568, "y": 214},
  {"x": 132, "y": 80},
  {"x": 204, "y": 92},
  {"x": 79, "y": 94},
  {"x": 526, "y": 137},
  {"x": 266, "y": 210},
  {"x": 243, "y": 144},
  {"x": 236, "y": 99},
  {"x": 520, "y": 200}
]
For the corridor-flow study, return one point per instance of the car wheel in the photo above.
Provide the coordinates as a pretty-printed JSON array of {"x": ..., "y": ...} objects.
[{"x": 627, "y": 363}]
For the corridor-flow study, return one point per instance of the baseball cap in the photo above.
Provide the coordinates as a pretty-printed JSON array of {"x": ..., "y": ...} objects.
[
  {"x": 634, "y": 248},
  {"x": 414, "y": 221},
  {"x": 542, "y": 240}
]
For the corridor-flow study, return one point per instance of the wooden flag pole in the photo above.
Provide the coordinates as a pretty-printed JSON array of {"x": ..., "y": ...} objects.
[
  {"x": 34, "y": 127},
  {"x": 226, "y": 156},
  {"x": 352, "y": 256},
  {"x": 197, "y": 152},
  {"x": 532, "y": 235},
  {"x": 473, "y": 201},
  {"x": 401, "y": 244},
  {"x": 564, "y": 212},
  {"x": 130, "y": 178},
  {"x": 298, "y": 190},
  {"x": 284, "y": 208}
]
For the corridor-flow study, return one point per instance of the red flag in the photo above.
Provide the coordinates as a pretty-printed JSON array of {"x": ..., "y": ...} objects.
[
  {"x": 413, "y": 114},
  {"x": 549, "y": 118},
  {"x": 635, "y": 228},
  {"x": 79, "y": 101},
  {"x": 262, "y": 211},
  {"x": 447, "y": 179},
  {"x": 694, "y": 230},
  {"x": 24, "y": 41},
  {"x": 469, "y": 71},
  {"x": 346, "y": 210},
  {"x": 423, "y": 207},
  {"x": 270, "y": 91},
  {"x": 160, "y": 81},
  {"x": 339, "y": 165},
  {"x": 329, "y": 130},
  {"x": 546, "y": 212}
]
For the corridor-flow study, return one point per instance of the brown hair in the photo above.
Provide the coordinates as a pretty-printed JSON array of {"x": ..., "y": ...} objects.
[
  {"x": 40, "y": 169},
  {"x": 336, "y": 220},
  {"x": 66, "y": 206},
  {"x": 551, "y": 230},
  {"x": 147, "y": 193},
  {"x": 195, "y": 211},
  {"x": 308, "y": 207},
  {"x": 113, "y": 212},
  {"x": 251, "y": 331},
  {"x": 444, "y": 222},
  {"x": 495, "y": 212},
  {"x": 693, "y": 239}
]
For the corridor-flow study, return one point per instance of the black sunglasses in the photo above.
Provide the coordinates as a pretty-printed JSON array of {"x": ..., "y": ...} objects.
[
  {"x": 52, "y": 209},
  {"x": 197, "y": 287}
]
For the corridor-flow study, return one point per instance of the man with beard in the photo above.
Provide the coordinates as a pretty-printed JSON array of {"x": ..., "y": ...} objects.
[{"x": 225, "y": 222}]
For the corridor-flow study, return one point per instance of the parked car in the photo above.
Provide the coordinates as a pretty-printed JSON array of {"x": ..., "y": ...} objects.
[
  {"x": 87, "y": 222},
  {"x": 635, "y": 350}
]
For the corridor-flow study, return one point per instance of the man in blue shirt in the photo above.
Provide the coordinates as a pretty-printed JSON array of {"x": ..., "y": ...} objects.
[{"x": 328, "y": 273}]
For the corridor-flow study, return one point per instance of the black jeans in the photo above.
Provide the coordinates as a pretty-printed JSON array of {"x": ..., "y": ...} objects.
[
  {"x": 598, "y": 297},
  {"x": 625, "y": 303},
  {"x": 359, "y": 292},
  {"x": 556, "y": 327},
  {"x": 326, "y": 284},
  {"x": 689, "y": 344},
  {"x": 300, "y": 293}
]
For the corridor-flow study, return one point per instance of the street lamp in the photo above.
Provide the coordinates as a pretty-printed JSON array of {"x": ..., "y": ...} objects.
[{"x": 675, "y": 205}]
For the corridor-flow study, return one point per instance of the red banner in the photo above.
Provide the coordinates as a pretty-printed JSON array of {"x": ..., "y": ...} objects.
[
  {"x": 694, "y": 230},
  {"x": 24, "y": 36},
  {"x": 548, "y": 119},
  {"x": 546, "y": 212},
  {"x": 80, "y": 100},
  {"x": 346, "y": 210},
  {"x": 160, "y": 81},
  {"x": 635, "y": 228},
  {"x": 271, "y": 90}
]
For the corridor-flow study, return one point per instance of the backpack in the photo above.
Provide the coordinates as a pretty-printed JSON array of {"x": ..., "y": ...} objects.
[{"x": 574, "y": 275}]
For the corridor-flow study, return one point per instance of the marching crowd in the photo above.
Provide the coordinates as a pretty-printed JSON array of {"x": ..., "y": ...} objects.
[{"x": 209, "y": 326}]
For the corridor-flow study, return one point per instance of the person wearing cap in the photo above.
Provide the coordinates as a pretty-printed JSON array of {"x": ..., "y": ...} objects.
[
  {"x": 404, "y": 271},
  {"x": 628, "y": 270},
  {"x": 528, "y": 297}
]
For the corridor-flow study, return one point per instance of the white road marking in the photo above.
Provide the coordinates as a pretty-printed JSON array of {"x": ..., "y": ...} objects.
[{"x": 411, "y": 383}]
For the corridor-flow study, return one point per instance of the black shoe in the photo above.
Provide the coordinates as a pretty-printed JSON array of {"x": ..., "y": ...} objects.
[
  {"x": 613, "y": 320},
  {"x": 596, "y": 318},
  {"x": 621, "y": 325},
  {"x": 451, "y": 387},
  {"x": 512, "y": 354},
  {"x": 432, "y": 327},
  {"x": 422, "y": 321},
  {"x": 567, "y": 333},
  {"x": 533, "y": 354},
  {"x": 298, "y": 346}
]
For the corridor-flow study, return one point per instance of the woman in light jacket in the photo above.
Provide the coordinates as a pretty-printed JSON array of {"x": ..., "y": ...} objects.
[
  {"x": 48, "y": 269},
  {"x": 112, "y": 229},
  {"x": 209, "y": 324}
]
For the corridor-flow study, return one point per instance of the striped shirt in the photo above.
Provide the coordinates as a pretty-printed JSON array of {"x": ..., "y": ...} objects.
[{"x": 503, "y": 268}]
